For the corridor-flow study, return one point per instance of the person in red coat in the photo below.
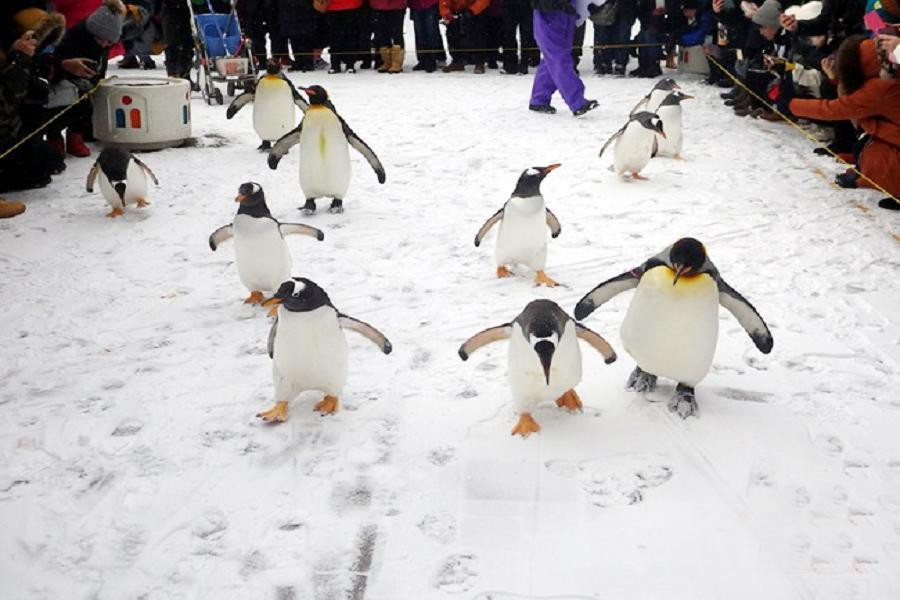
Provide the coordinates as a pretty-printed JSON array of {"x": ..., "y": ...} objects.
[
  {"x": 874, "y": 104},
  {"x": 343, "y": 22},
  {"x": 466, "y": 35}
]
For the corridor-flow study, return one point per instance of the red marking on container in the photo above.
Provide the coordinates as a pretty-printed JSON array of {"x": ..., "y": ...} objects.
[
  {"x": 135, "y": 115},
  {"x": 126, "y": 100}
]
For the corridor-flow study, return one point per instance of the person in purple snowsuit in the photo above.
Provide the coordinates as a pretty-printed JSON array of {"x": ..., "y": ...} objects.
[{"x": 554, "y": 29}]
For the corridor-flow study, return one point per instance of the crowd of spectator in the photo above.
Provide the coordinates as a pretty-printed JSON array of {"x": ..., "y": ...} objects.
[{"x": 828, "y": 62}]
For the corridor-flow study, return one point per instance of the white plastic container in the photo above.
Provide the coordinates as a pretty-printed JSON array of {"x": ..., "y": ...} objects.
[
  {"x": 143, "y": 113},
  {"x": 693, "y": 60}
]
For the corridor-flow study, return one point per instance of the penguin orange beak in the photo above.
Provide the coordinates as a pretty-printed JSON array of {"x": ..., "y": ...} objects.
[
  {"x": 273, "y": 301},
  {"x": 241, "y": 197},
  {"x": 679, "y": 271},
  {"x": 552, "y": 167},
  {"x": 686, "y": 97}
]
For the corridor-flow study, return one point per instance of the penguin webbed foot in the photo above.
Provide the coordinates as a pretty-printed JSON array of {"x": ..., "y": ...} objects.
[
  {"x": 683, "y": 402},
  {"x": 541, "y": 278},
  {"x": 255, "y": 297},
  {"x": 265, "y": 146},
  {"x": 116, "y": 212},
  {"x": 310, "y": 207},
  {"x": 637, "y": 176},
  {"x": 328, "y": 405},
  {"x": 337, "y": 206},
  {"x": 641, "y": 381},
  {"x": 142, "y": 203},
  {"x": 526, "y": 426},
  {"x": 570, "y": 401},
  {"x": 502, "y": 272},
  {"x": 276, "y": 414}
]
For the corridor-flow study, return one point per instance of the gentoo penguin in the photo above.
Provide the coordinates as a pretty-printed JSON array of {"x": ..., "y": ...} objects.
[
  {"x": 324, "y": 156},
  {"x": 669, "y": 112},
  {"x": 123, "y": 179},
  {"x": 274, "y": 98},
  {"x": 544, "y": 360},
  {"x": 523, "y": 227},
  {"x": 672, "y": 323},
  {"x": 651, "y": 101},
  {"x": 263, "y": 259},
  {"x": 308, "y": 348},
  {"x": 635, "y": 144}
]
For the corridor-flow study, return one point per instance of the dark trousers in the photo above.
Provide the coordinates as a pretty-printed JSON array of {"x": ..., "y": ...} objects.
[
  {"x": 617, "y": 33},
  {"x": 262, "y": 19},
  {"x": 29, "y": 166},
  {"x": 517, "y": 17},
  {"x": 465, "y": 34},
  {"x": 577, "y": 43},
  {"x": 649, "y": 56},
  {"x": 179, "y": 43},
  {"x": 388, "y": 27},
  {"x": 343, "y": 37},
  {"x": 493, "y": 37},
  {"x": 429, "y": 44}
]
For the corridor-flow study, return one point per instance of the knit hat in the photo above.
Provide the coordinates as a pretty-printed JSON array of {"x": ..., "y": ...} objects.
[
  {"x": 106, "y": 22},
  {"x": 768, "y": 13}
]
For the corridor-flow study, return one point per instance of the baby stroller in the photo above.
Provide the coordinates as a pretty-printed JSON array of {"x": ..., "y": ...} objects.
[{"x": 223, "y": 53}]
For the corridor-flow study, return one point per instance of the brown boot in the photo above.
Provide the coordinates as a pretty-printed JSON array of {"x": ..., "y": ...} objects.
[
  {"x": 385, "y": 54},
  {"x": 670, "y": 61},
  {"x": 479, "y": 68},
  {"x": 398, "y": 54},
  {"x": 10, "y": 209}
]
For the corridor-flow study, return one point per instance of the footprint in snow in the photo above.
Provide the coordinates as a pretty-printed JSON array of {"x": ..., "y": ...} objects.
[
  {"x": 440, "y": 527},
  {"x": 455, "y": 574},
  {"x": 616, "y": 481}
]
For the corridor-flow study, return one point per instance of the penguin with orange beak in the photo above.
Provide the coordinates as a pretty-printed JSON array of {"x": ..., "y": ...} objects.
[
  {"x": 262, "y": 256},
  {"x": 672, "y": 324}
]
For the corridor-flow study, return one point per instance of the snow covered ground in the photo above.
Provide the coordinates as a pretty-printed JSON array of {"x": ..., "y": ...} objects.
[{"x": 132, "y": 466}]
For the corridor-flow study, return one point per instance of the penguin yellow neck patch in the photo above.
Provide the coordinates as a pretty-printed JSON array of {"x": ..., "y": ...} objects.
[{"x": 663, "y": 277}]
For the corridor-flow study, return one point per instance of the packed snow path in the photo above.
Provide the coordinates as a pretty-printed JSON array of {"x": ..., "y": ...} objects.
[{"x": 132, "y": 466}]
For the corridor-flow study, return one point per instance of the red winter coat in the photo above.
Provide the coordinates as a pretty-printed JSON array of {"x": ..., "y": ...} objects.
[
  {"x": 876, "y": 108},
  {"x": 336, "y": 5},
  {"x": 451, "y": 7},
  {"x": 388, "y": 4}
]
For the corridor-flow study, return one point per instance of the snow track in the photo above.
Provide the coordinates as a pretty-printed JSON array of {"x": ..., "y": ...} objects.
[{"x": 131, "y": 465}]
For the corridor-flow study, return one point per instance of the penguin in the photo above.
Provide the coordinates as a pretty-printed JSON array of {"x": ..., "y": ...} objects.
[
  {"x": 262, "y": 256},
  {"x": 274, "y": 98},
  {"x": 524, "y": 220},
  {"x": 635, "y": 144},
  {"x": 672, "y": 324},
  {"x": 323, "y": 136},
  {"x": 651, "y": 101},
  {"x": 123, "y": 179},
  {"x": 669, "y": 112},
  {"x": 544, "y": 360},
  {"x": 308, "y": 348}
]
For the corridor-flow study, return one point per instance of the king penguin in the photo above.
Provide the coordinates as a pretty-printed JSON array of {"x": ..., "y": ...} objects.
[
  {"x": 308, "y": 348},
  {"x": 651, "y": 101},
  {"x": 544, "y": 360},
  {"x": 524, "y": 220},
  {"x": 672, "y": 324},
  {"x": 262, "y": 256},
  {"x": 274, "y": 98},
  {"x": 669, "y": 112},
  {"x": 123, "y": 179},
  {"x": 324, "y": 136},
  {"x": 635, "y": 144}
]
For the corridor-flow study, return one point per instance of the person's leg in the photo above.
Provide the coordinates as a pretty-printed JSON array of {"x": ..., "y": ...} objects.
[
  {"x": 554, "y": 33},
  {"x": 576, "y": 43},
  {"x": 510, "y": 44},
  {"x": 530, "y": 53},
  {"x": 476, "y": 40},
  {"x": 396, "y": 27},
  {"x": 602, "y": 56},
  {"x": 621, "y": 35},
  {"x": 454, "y": 44}
]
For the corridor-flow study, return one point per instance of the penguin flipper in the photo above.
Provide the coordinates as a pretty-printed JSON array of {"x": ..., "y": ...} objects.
[
  {"x": 553, "y": 224},
  {"x": 92, "y": 176},
  {"x": 640, "y": 105},
  {"x": 239, "y": 102},
  {"x": 270, "y": 344},
  {"x": 299, "y": 100},
  {"x": 366, "y": 330},
  {"x": 146, "y": 169},
  {"x": 614, "y": 137},
  {"x": 360, "y": 146},
  {"x": 483, "y": 338},
  {"x": 607, "y": 290},
  {"x": 225, "y": 232},
  {"x": 284, "y": 145},
  {"x": 495, "y": 218},
  {"x": 746, "y": 315},
  {"x": 300, "y": 229},
  {"x": 597, "y": 342}
]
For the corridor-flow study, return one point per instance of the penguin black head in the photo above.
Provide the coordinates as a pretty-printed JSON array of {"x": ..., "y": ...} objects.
[
  {"x": 252, "y": 200},
  {"x": 114, "y": 164},
  {"x": 317, "y": 94},
  {"x": 675, "y": 98},
  {"x": 273, "y": 67},
  {"x": 542, "y": 323},
  {"x": 650, "y": 121},
  {"x": 299, "y": 295},
  {"x": 667, "y": 83},
  {"x": 687, "y": 257},
  {"x": 529, "y": 183}
]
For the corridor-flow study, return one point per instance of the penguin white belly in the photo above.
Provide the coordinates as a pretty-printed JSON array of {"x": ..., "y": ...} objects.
[
  {"x": 671, "y": 331},
  {"x": 273, "y": 109},
  {"x": 135, "y": 186},
  {"x": 526, "y": 375},
  {"x": 324, "y": 156},
  {"x": 671, "y": 118},
  {"x": 262, "y": 256},
  {"x": 656, "y": 98},
  {"x": 310, "y": 353},
  {"x": 523, "y": 233},
  {"x": 633, "y": 149}
]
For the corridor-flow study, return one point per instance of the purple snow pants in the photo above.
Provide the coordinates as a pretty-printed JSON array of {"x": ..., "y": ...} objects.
[{"x": 554, "y": 32}]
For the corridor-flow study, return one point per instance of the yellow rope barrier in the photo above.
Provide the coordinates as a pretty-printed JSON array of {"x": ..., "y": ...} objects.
[
  {"x": 441, "y": 51},
  {"x": 805, "y": 133}
]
